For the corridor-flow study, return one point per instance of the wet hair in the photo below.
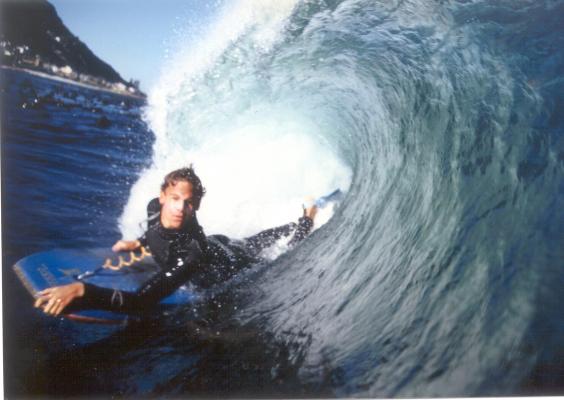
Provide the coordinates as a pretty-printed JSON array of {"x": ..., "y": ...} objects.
[{"x": 186, "y": 174}]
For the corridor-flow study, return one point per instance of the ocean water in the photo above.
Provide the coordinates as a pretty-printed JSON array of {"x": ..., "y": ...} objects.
[{"x": 438, "y": 275}]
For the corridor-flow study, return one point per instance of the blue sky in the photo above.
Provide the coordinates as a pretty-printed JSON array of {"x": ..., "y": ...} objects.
[{"x": 133, "y": 36}]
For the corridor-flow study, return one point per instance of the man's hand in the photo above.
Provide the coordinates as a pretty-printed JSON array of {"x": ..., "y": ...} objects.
[
  {"x": 310, "y": 212},
  {"x": 54, "y": 300},
  {"x": 126, "y": 245}
]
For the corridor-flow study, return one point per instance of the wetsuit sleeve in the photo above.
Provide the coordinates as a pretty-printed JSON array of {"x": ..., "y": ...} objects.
[
  {"x": 267, "y": 238},
  {"x": 142, "y": 240},
  {"x": 158, "y": 287},
  {"x": 304, "y": 228}
]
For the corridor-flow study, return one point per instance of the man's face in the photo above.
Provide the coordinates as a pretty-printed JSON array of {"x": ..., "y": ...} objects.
[{"x": 176, "y": 204}]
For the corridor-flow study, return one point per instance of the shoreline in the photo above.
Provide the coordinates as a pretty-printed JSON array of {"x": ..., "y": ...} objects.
[{"x": 71, "y": 82}]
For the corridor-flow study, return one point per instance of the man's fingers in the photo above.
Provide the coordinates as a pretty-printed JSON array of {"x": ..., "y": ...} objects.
[
  {"x": 60, "y": 307},
  {"x": 40, "y": 301},
  {"x": 43, "y": 297},
  {"x": 125, "y": 245},
  {"x": 50, "y": 304},
  {"x": 53, "y": 307},
  {"x": 55, "y": 310},
  {"x": 54, "y": 300},
  {"x": 120, "y": 245},
  {"x": 115, "y": 247},
  {"x": 45, "y": 292}
]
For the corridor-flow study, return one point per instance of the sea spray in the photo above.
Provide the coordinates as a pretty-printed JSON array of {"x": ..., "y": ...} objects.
[{"x": 258, "y": 156}]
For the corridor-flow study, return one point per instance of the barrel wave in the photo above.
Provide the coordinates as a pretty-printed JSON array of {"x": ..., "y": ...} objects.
[{"x": 440, "y": 272}]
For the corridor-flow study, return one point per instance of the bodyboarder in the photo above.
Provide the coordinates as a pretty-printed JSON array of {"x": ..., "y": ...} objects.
[{"x": 181, "y": 249}]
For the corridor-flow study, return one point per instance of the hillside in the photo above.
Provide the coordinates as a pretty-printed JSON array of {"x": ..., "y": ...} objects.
[{"x": 33, "y": 36}]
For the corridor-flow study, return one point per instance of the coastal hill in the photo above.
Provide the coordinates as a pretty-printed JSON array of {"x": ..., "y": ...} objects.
[{"x": 33, "y": 37}]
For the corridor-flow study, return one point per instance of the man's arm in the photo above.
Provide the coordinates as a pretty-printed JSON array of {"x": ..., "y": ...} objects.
[
  {"x": 267, "y": 238},
  {"x": 158, "y": 287},
  {"x": 305, "y": 224},
  {"x": 82, "y": 296},
  {"x": 55, "y": 299}
]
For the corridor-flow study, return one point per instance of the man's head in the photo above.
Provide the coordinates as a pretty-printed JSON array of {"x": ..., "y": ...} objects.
[{"x": 181, "y": 194}]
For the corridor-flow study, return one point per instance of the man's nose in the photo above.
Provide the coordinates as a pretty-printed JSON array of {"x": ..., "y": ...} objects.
[{"x": 180, "y": 205}]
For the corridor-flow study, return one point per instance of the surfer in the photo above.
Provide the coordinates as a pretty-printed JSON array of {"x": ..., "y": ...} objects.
[{"x": 181, "y": 249}]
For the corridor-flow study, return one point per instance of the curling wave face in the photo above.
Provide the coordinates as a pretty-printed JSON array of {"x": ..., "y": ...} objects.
[{"x": 437, "y": 274}]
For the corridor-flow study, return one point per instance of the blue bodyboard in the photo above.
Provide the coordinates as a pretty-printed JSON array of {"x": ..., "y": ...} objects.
[
  {"x": 101, "y": 267},
  {"x": 334, "y": 197}
]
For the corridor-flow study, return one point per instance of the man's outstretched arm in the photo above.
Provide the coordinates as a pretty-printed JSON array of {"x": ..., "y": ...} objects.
[
  {"x": 83, "y": 296},
  {"x": 267, "y": 238}
]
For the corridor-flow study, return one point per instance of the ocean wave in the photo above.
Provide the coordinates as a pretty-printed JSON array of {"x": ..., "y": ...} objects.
[{"x": 440, "y": 121}]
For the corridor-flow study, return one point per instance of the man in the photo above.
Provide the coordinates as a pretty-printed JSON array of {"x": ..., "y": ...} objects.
[{"x": 180, "y": 248}]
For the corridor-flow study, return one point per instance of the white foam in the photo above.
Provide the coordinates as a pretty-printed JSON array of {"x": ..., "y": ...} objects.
[
  {"x": 257, "y": 158},
  {"x": 267, "y": 16},
  {"x": 257, "y": 176}
]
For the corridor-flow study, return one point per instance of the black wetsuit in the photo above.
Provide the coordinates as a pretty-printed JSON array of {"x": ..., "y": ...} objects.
[{"x": 186, "y": 254}]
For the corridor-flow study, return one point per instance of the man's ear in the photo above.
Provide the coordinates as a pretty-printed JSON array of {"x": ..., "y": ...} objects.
[{"x": 162, "y": 197}]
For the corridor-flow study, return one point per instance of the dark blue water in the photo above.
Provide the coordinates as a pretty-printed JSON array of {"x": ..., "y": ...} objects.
[
  {"x": 69, "y": 158},
  {"x": 439, "y": 275}
]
